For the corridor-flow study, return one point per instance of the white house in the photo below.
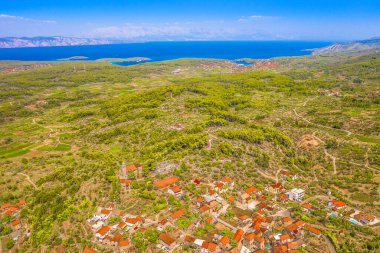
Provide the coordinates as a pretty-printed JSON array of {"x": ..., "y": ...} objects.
[{"x": 296, "y": 194}]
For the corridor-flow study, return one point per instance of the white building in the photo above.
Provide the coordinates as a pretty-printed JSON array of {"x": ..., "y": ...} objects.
[{"x": 296, "y": 194}]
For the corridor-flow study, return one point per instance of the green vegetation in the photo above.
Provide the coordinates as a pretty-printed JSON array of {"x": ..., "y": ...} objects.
[{"x": 70, "y": 131}]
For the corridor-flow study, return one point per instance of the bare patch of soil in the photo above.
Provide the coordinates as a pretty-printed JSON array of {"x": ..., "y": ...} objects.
[{"x": 308, "y": 142}]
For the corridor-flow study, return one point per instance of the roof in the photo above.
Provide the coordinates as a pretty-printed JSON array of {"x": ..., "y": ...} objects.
[
  {"x": 224, "y": 240},
  {"x": 227, "y": 180},
  {"x": 284, "y": 237},
  {"x": 131, "y": 220},
  {"x": 103, "y": 230},
  {"x": 231, "y": 198},
  {"x": 131, "y": 167},
  {"x": 204, "y": 208},
  {"x": 277, "y": 186},
  {"x": 250, "y": 236},
  {"x": 209, "y": 220},
  {"x": 189, "y": 238},
  {"x": 6, "y": 205},
  {"x": 209, "y": 246},
  {"x": 178, "y": 213},
  {"x": 176, "y": 189},
  {"x": 21, "y": 202},
  {"x": 166, "y": 182},
  {"x": 117, "y": 237},
  {"x": 286, "y": 219},
  {"x": 166, "y": 238},
  {"x": 307, "y": 205},
  {"x": 121, "y": 224},
  {"x": 251, "y": 189},
  {"x": 211, "y": 192},
  {"x": 243, "y": 217},
  {"x": 15, "y": 222},
  {"x": 88, "y": 250},
  {"x": 338, "y": 203},
  {"x": 219, "y": 185},
  {"x": 124, "y": 243},
  {"x": 105, "y": 211},
  {"x": 196, "y": 181},
  {"x": 163, "y": 221},
  {"x": 237, "y": 236},
  {"x": 312, "y": 229}
]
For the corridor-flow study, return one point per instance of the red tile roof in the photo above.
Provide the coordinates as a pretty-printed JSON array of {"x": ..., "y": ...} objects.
[
  {"x": 227, "y": 180},
  {"x": 178, "y": 213},
  {"x": 6, "y": 206},
  {"x": 251, "y": 189},
  {"x": 124, "y": 243},
  {"x": 338, "y": 203},
  {"x": 219, "y": 185},
  {"x": 131, "y": 167},
  {"x": 204, "y": 208},
  {"x": 189, "y": 238},
  {"x": 166, "y": 182},
  {"x": 224, "y": 240},
  {"x": 312, "y": 229},
  {"x": 166, "y": 238},
  {"x": 21, "y": 202},
  {"x": 103, "y": 230},
  {"x": 176, "y": 189},
  {"x": 131, "y": 220},
  {"x": 15, "y": 222},
  {"x": 105, "y": 211},
  {"x": 209, "y": 246},
  {"x": 209, "y": 220},
  {"x": 237, "y": 236},
  {"x": 88, "y": 250}
]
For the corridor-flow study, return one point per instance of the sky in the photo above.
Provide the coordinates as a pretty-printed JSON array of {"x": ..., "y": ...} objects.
[{"x": 149, "y": 20}]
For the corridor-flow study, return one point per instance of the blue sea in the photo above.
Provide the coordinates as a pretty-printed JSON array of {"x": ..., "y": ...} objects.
[{"x": 159, "y": 51}]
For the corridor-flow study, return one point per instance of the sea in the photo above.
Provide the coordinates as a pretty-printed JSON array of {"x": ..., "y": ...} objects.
[{"x": 160, "y": 51}]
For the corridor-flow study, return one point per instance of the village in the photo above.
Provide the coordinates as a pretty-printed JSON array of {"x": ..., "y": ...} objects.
[{"x": 225, "y": 217}]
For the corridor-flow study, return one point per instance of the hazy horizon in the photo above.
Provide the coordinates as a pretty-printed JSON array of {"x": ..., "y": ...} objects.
[{"x": 192, "y": 20}]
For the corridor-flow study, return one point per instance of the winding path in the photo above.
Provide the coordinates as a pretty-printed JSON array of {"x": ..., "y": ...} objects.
[{"x": 29, "y": 180}]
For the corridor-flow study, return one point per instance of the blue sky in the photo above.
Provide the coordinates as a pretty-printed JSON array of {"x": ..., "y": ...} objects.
[{"x": 139, "y": 20}]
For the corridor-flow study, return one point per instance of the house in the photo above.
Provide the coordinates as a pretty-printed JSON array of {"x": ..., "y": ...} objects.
[
  {"x": 253, "y": 204},
  {"x": 224, "y": 240},
  {"x": 122, "y": 225},
  {"x": 204, "y": 209},
  {"x": 166, "y": 240},
  {"x": 244, "y": 198},
  {"x": 283, "y": 198},
  {"x": 307, "y": 207},
  {"x": 175, "y": 191},
  {"x": 104, "y": 214},
  {"x": 177, "y": 214},
  {"x": 312, "y": 230},
  {"x": 102, "y": 232},
  {"x": 6, "y": 206},
  {"x": 275, "y": 188},
  {"x": 209, "y": 246},
  {"x": 130, "y": 171},
  {"x": 252, "y": 190},
  {"x": 365, "y": 218},
  {"x": 124, "y": 245},
  {"x": 228, "y": 181},
  {"x": 336, "y": 204},
  {"x": 21, "y": 202},
  {"x": 244, "y": 219},
  {"x": 166, "y": 182},
  {"x": 287, "y": 221},
  {"x": 252, "y": 241},
  {"x": 238, "y": 235},
  {"x": 16, "y": 224},
  {"x": 88, "y": 250},
  {"x": 295, "y": 227},
  {"x": 162, "y": 224},
  {"x": 285, "y": 238},
  {"x": 196, "y": 181},
  {"x": 125, "y": 183},
  {"x": 132, "y": 222},
  {"x": 296, "y": 194}
]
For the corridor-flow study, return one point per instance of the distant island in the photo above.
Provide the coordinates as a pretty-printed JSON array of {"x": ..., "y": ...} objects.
[
  {"x": 15, "y": 42},
  {"x": 367, "y": 46},
  {"x": 74, "y": 58}
]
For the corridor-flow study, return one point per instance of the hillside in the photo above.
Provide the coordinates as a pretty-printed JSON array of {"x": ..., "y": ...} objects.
[
  {"x": 363, "y": 46},
  {"x": 311, "y": 123}
]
